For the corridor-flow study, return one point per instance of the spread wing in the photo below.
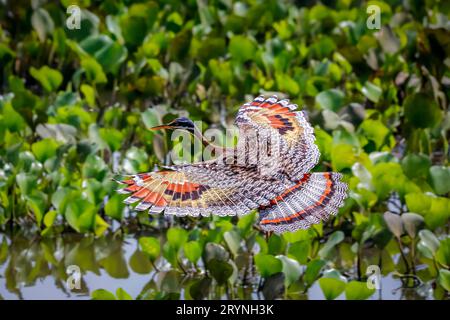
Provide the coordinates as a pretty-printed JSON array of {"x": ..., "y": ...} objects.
[
  {"x": 276, "y": 120},
  {"x": 201, "y": 189}
]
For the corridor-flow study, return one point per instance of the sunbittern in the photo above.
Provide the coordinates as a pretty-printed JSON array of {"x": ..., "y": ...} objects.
[{"x": 287, "y": 194}]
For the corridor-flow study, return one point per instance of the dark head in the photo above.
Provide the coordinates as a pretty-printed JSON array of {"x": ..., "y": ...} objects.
[{"x": 179, "y": 123}]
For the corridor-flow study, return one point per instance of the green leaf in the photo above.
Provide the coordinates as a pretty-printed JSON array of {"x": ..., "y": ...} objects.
[
  {"x": 300, "y": 250},
  {"x": 276, "y": 244},
  {"x": 214, "y": 251},
  {"x": 356, "y": 290},
  {"x": 332, "y": 99},
  {"x": 334, "y": 239},
  {"x": 233, "y": 241},
  {"x": 422, "y": 111},
  {"x": 151, "y": 118},
  {"x": 122, "y": 295},
  {"x": 49, "y": 78},
  {"x": 313, "y": 270},
  {"x": 94, "y": 71},
  {"x": 42, "y": 23},
  {"x": 114, "y": 207},
  {"x": 371, "y": 91},
  {"x": 192, "y": 251},
  {"x": 416, "y": 165},
  {"x": 49, "y": 218},
  {"x": 81, "y": 215},
  {"x": 220, "y": 270},
  {"x": 440, "y": 179},
  {"x": 26, "y": 182},
  {"x": 412, "y": 222},
  {"x": 151, "y": 246},
  {"x": 89, "y": 94},
  {"x": 291, "y": 269},
  {"x": 177, "y": 237},
  {"x": 241, "y": 48},
  {"x": 444, "y": 279},
  {"x": 102, "y": 294},
  {"x": 44, "y": 149},
  {"x": 267, "y": 265},
  {"x": 112, "y": 137},
  {"x": 245, "y": 224},
  {"x": 428, "y": 244},
  {"x": 331, "y": 287},
  {"x": 394, "y": 223},
  {"x": 443, "y": 253},
  {"x": 100, "y": 225},
  {"x": 375, "y": 130}
]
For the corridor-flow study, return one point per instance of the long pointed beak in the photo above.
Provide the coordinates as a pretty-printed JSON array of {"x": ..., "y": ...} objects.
[{"x": 164, "y": 126}]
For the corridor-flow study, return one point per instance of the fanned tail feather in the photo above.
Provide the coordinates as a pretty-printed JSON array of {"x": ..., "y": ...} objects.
[{"x": 313, "y": 198}]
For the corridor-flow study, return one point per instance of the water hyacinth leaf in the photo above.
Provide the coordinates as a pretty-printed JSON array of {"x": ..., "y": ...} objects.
[
  {"x": 444, "y": 279},
  {"x": 355, "y": 290},
  {"x": 332, "y": 99},
  {"x": 100, "y": 225},
  {"x": 331, "y": 287},
  {"x": 300, "y": 250},
  {"x": 418, "y": 202},
  {"x": 443, "y": 253},
  {"x": 371, "y": 91},
  {"x": 93, "y": 70},
  {"x": 245, "y": 224},
  {"x": 102, "y": 294},
  {"x": 215, "y": 251},
  {"x": 422, "y": 111},
  {"x": 416, "y": 165},
  {"x": 74, "y": 211},
  {"x": 334, "y": 239},
  {"x": 291, "y": 269},
  {"x": 60, "y": 132},
  {"x": 440, "y": 178},
  {"x": 150, "y": 246},
  {"x": 177, "y": 237},
  {"x": 267, "y": 264},
  {"x": 313, "y": 269},
  {"x": 114, "y": 207},
  {"x": 49, "y": 218},
  {"x": 122, "y": 295},
  {"x": 36, "y": 202},
  {"x": 412, "y": 222},
  {"x": 394, "y": 223},
  {"x": 192, "y": 251},
  {"x": 274, "y": 286},
  {"x": 200, "y": 289},
  {"x": 43, "y": 23},
  {"x": 26, "y": 182},
  {"x": 220, "y": 270},
  {"x": 428, "y": 244},
  {"x": 241, "y": 48},
  {"x": 50, "y": 79},
  {"x": 44, "y": 149},
  {"x": 151, "y": 118},
  {"x": 233, "y": 241},
  {"x": 276, "y": 244}
]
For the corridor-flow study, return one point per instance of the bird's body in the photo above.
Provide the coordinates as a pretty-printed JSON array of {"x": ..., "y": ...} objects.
[{"x": 268, "y": 170}]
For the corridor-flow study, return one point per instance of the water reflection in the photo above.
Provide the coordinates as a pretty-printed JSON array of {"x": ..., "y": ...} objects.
[{"x": 35, "y": 268}]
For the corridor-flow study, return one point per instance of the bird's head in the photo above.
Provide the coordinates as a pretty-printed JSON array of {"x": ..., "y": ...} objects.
[{"x": 179, "y": 123}]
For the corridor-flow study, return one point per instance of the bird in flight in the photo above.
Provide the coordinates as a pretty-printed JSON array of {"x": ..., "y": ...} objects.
[{"x": 269, "y": 170}]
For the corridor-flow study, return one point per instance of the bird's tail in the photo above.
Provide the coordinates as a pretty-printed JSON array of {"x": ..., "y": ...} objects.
[{"x": 313, "y": 198}]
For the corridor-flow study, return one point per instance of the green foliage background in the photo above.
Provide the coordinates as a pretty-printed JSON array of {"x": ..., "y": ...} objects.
[{"x": 76, "y": 105}]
